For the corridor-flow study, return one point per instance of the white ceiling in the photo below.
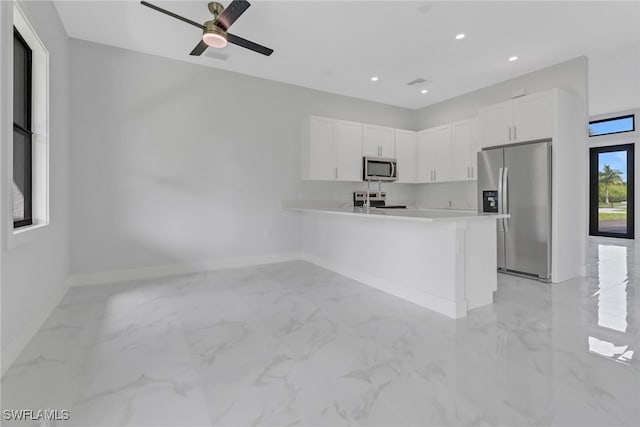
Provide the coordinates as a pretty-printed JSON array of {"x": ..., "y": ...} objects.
[{"x": 336, "y": 46}]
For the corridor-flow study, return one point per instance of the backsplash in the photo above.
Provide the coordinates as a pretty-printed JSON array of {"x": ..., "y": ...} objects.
[
  {"x": 341, "y": 193},
  {"x": 454, "y": 195}
]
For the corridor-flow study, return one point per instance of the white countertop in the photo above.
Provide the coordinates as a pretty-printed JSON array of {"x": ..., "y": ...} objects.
[{"x": 409, "y": 214}]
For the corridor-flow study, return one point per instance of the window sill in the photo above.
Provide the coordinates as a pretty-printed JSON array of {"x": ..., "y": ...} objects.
[{"x": 24, "y": 235}]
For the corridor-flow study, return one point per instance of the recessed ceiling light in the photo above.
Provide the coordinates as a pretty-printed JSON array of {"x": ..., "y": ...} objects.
[
  {"x": 374, "y": 78},
  {"x": 460, "y": 36},
  {"x": 423, "y": 91},
  {"x": 513, "y": 58}
]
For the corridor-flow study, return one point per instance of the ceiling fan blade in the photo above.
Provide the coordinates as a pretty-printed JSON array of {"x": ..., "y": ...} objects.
[
  {"x": 171, "y": 14},
  {"x": 201, "y": 47},
  {"x": 231, "y": 13},
  {"x": 231, "y": 38}
]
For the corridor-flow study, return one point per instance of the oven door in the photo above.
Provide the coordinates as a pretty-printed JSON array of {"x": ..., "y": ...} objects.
[{"x": 379, "y": 169}]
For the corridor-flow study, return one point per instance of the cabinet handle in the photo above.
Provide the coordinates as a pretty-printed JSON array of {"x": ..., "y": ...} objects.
[
  {"x": 509, "y": 133},
  {"x": 515, "y": 133},
  {"x": 468, "y": 172},
  {"x": 472, "y": 171},
  {"x": 336, "y": 173}
]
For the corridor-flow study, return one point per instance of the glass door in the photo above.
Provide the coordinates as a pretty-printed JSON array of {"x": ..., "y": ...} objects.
[{"x": 611, "y": 191}]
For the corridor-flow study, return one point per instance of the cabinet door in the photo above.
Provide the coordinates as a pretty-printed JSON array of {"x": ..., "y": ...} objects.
[
  {"x": 495, "y": 124},
  {"x": 462, "y": 149},
  {"x": 370, "y": 141},
  {"x": 475, "y": 147},
  {"x": 348, "y": 154},
  {"x": 378, "y": 141},
  {"x": 426, "y": 156},
  {"x": 532, "y": 117},
  {"x": 321, "y": 149},
  {"x": 387, "y": 142},
  {"x": 443, "y": 153},
  {"x": 405, "y": 142}
]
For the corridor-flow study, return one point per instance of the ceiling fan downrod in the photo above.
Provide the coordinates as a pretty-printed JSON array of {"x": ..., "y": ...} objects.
[{"x": 215, "y": 8}]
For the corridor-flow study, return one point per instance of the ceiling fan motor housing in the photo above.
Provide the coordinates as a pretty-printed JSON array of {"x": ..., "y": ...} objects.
[{"x": 213, "y": 35}]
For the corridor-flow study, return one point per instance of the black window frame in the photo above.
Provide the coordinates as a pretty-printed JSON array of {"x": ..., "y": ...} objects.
[
  {"x": 594, "y": 190},
  {"x": 26, "y": 132},
  {"x": 626, "y": 116}
]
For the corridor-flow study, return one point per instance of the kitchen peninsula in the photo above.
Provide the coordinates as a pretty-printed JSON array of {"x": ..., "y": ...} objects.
[{"x": 444, "y": 260}]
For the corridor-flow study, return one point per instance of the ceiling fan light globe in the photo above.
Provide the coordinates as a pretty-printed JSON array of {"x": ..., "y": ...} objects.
[{"x": 214, "y": 40}]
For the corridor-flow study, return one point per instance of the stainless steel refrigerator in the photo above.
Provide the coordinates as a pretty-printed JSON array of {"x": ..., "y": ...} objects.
[{"x": 516, "y": 179}]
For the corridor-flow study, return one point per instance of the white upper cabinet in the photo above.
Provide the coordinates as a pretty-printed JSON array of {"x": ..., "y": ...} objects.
[
  {"x": 464, "y": 150},
  {"x": 443, "y": 153},
  {"x": 318, "y": 153},
  {"x": 435, "y": 155},
  {"x": 387, "y": 143},
  {"x": 495, "y": 124},
  {"x": 331, "y": 150},
  {"x": 378, "y": 141},
  {"x": 533, "y": 117},
  {"x": 406, "y": 155},
  {"x": 425, "y": 164},
  {"x": 522, "y": 119},
  {"x": 348, "y": 151}
]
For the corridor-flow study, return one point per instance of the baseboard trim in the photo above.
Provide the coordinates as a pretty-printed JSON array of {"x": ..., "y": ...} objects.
[
  {"x": 12, "y": 351},
  {"x": 116, "y": 276},
  {"x": 448, "y": 308}
]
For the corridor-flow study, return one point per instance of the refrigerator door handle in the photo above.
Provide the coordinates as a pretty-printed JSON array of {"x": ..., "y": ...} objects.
[
  {"x": 505, "y": 204},
  {"x": 500, "y": 181}
]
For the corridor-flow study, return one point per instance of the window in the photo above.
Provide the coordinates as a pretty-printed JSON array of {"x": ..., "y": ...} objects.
[
  {"x": 22, "y": 134},
  {"x": 29, "y": 150},
  {"x": 611, "y": 210},
  {"x": 613, "y": 125}
]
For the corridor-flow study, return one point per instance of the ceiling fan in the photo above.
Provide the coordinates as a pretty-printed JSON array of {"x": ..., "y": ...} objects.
[{"x": 214, "y": 32}]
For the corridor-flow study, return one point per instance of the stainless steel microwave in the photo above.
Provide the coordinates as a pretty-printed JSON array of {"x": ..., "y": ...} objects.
[{"x": 379, "y": 169}]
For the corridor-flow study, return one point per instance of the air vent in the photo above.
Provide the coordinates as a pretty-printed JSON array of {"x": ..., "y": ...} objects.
[{"x": 417, "y": 81}]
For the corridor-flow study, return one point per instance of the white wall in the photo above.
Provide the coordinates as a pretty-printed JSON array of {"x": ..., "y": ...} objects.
[
  {"x": 570, "y": 76},
  {"x": 175, "y": 164},
  {"x": 614, "y": 80},
  {"x": 35, "y": 266}
]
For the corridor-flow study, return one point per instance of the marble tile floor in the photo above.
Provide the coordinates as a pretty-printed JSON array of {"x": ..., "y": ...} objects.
[{"x": 294, "y": 344}]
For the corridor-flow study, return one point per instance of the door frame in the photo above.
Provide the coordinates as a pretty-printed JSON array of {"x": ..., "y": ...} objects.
[{"x": 594, "y": 189}]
